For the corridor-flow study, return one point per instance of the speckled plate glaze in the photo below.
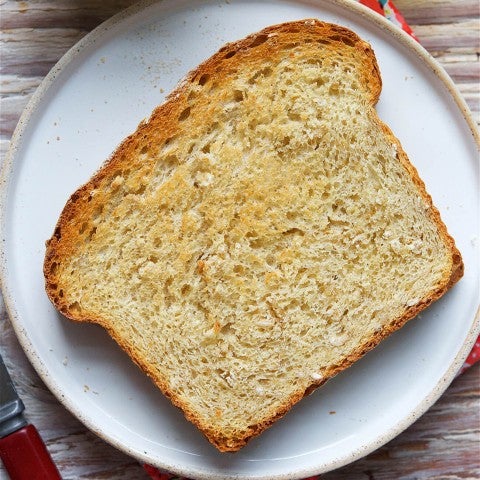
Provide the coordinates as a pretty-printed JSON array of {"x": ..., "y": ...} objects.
[{"x": 95, "y": 96}]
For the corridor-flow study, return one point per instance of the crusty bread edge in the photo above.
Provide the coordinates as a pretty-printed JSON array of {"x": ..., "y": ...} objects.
[{"x": 450, "y": 277}]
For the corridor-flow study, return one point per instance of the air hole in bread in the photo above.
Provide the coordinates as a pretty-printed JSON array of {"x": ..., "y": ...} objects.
[
  {"x": 203, "y": 79},
  {"x": 264, "y": 72},
  {"x": 171, "y": 160},
  {"x": 83, "y": 227},
  {"x": 256, "y": 243},
  {"x": 140, "y": 190},
  {"x": 258, "y": 40},
  {"x": 184, "y": 115},
  {"x": 226, "y": 329},
  {"x": 214, "y": 126},
  {"x": 346, "y": 40},
  {"x": 126, "y": 230},
  {"x": 238, "y": 95},
  {"x": 230, "y": 54},
  {"x": 166, "y": 292},
  {"x": 240, "y": 269},
  {"x": 92, "y": 232},
  {"x": 186, "y": 289},
  {"x": 271, "y": 260},
  {"x": 144, "y": 150},
  {"x": 294, "y": 231},
  {"x": 305, "y": 331},
  {"x": 75, "y": 308},
  {"x": 201, "y": 176},
  {"x": 60, "y": 294},
  {"x": 334, "y": 89},
  {"x": 206, "y": 148}
]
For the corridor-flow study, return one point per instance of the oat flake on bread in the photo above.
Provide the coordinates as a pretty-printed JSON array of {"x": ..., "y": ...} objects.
[{"x": 258, "y": 234}]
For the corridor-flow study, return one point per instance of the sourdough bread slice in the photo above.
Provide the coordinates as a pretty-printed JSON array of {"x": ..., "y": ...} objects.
[{"x": 258, "y": 234}]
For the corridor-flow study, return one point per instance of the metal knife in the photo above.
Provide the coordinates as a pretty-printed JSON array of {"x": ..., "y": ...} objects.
[{"x": 22, "y": 450}]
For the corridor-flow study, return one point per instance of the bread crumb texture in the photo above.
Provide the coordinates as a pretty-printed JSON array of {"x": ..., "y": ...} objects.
[{"x": 258, "y": 234}]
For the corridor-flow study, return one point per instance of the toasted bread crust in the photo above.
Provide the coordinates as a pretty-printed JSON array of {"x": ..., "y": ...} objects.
[{"x": 164, "y": 124}]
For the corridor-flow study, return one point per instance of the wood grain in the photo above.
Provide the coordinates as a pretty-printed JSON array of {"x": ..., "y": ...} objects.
[{"x": 442, "y": 444}]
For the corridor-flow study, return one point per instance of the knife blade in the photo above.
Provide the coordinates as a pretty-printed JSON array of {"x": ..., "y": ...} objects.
[{"x": 22, "y": 450}]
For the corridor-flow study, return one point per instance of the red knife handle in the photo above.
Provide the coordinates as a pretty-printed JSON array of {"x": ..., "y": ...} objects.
[{"x": 26, "y": 457}]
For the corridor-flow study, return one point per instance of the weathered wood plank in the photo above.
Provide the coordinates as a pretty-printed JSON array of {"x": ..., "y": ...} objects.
[
  {"x": 418, "y": 12},
  {"x": 30, "y": 52},
  {"x": 46, "y": 14},
  {"x": 442, "y": 36}
]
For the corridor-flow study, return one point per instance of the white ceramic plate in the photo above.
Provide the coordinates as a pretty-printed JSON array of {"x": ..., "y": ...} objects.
[{"x": 95, "y": 96}]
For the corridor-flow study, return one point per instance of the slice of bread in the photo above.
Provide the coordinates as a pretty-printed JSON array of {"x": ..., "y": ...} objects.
[{"x": 258, "y": 234}]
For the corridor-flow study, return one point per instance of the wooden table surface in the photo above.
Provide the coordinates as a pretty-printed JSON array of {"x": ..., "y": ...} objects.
[{"x": 443, "y": 444}]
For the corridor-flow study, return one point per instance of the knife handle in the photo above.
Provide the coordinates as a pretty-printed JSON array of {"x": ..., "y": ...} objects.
[{"x": 26, "y": 457}]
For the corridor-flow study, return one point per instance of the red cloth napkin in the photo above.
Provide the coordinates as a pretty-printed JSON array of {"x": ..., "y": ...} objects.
[{"x": 387, "y": 9}]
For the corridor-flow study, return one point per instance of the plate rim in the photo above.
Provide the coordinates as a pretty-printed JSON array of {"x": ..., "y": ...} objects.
[{"x": 24, "y": 340}]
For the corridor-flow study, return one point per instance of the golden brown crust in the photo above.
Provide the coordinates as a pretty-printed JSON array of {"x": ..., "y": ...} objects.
[{"x": 164, "y": 122}]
